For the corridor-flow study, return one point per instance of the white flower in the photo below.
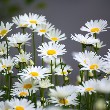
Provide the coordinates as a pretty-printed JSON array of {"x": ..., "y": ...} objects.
[
  {"x": 20, "y": 104},
  {"x": 4, "y": 106},
  {"x": 30, "y": 85},
  {"x": 43, "y": 29},
  {"x": 34, "y": 72},
  {"x": 7, "y": 64},
  {"x": 87, "y": 39},
  {"x": 3, "y": 48},
  {"x": 95, "y": 26},
  {"x": 99, "y": 44},
  {"x": 51, "y": 50},
  {"x": 89, "y": 60},
  {"x": 45, "y": 83},
  {"x": 87, "y": 86},
  {"x": 33, "y": 19},
  {"x": 55, "y": 35},
  {"x": 19, "y": 39},
  {"x": 103, "y": 85},
  {"x": 20, "y": 21},
  {"x": 19, "y": 92},
  {"x": 65, "y": 70},
  {"x": 23, "y": 57},
  {"x": 63, "y": 95},
  {"x": 107, "y": 56},
  {"x": 1, "y": 93},
  {"x": 4, "y": 29}
]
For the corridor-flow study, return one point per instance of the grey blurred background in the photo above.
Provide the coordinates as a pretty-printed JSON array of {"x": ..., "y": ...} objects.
[{"x": 66, "y": 15}]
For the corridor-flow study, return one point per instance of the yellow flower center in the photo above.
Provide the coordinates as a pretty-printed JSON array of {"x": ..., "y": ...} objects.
[
  {"x": 63, "y": 101},
  {"x": 19, "y": 108},
  {"x": 95, "y": 30},
  {"x": 85, "y": 61},
  {"x": 43, "y": 31},
  {"x": 64, "y": 72},
  {"x": 94, "y": 66},
  {"x": 33, "y": 21},
  {"x": 89, "y": 89},
  {"x": 27, "y": 86},
  {"x": 4, "y": 66},
  {"x": 34, "y": 73},
  {"x": 23, "y": 59},
  {"x": 54, "y": 39},
  {"x": 23, "y": 25},
  {"x": 3, "y": 32},
  {"x": 51, "y": 52},
  {"x": 23, "y": 94}
]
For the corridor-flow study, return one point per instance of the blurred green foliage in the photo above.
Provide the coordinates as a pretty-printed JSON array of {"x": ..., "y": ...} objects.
[{"x": 10, "y": 8}]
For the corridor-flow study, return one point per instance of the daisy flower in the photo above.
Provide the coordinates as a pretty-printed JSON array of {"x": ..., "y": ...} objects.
[
  {"x": 7, "y": 64},
  {"x": 51, "y": 50},
  {"x": 64, "y": 71},
  {"x": 95, "y": 26},
  {"x": 23, "y": 57},
  {"x": 3, "y": 48},
  {"x": 45, "y": 83},
  {"x": 1, "y": 93},
  {"x": 55, "y": 35},
  {"x": 4, "y": 29},
  {"x": 34, "y": 73},
  {"x": 87, "y": 86},
  {"x": 63, "y": 95},
  {"x": 87, "y": 39},
  {"x": 99, "y": 44},
  {"x": 32, "y": 20},
  {"x": 19, "y": 93},
  {"x": 43, "y": 29},
  {"x": 101, "y": 85},
  {"x": 89, "y": 60},
  {"x": 21, "y": 104},
  {"x": 20, "y": 21},
  {"x": 19, "y": 39},
  {"x": 24, "y": 85},
  {"x": 4, "y": 106}
]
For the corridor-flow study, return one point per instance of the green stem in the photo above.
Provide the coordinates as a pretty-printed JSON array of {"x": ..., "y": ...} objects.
[
  {"x": 34, "y": 51},
  {"x": 51, "y": 72},
  {"x": 42, "y": 96},
  {"x": 42, "y": 58},
  {"x": 7, "y": 46},
  {"x": 95, "y": 36},
  {"x": 23, "y": 30}
]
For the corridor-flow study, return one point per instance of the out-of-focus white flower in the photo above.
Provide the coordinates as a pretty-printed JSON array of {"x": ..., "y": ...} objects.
[
  {"x": 4, "y": 29},
  {"x": 55, "y": 36},
  {"x": 19, "y": 39},
  {"x": 87, "y": 39},
  {"x": 4, "y": 106},
  {"x": 3, "y": 48}
]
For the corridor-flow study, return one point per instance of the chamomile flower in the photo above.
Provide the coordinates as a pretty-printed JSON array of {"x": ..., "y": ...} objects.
[
  {"x": 65, "y": 70},
  {"x": 32, "y": 20},
  {"x": 4, "y": 29},
  {"x": 55, "y": 36},
  {"x": 3, "y": 48},
  {"x": 19, "y": 93},
  {"x": 51, "y": 50},
  {"x": 89, "y": 60},
  {"x": 99, "y": 44},
  {"x": 30, "y": 85},
  {"x": 4, "y": 106},
  {"x": 95, "y": 26},
  {"x": 34, "y": 72},
  {"x": 23, "y": 57},
  {"x": 87, "y": 39},
  {"x": 21, "y": 104},
  {"x": 1, "y": 93},
  {"x": 19, "y": 39},
  {"x": 7, "y": 64},
  {"x": 43, "y": 29},
  {"x": 45, "y": 83},
  {"x": 87, "y": 86},
  {"x": 70, "y": 100},
  {"x": 20, "y": 21},
  {"x": 101, "y": 85}
]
